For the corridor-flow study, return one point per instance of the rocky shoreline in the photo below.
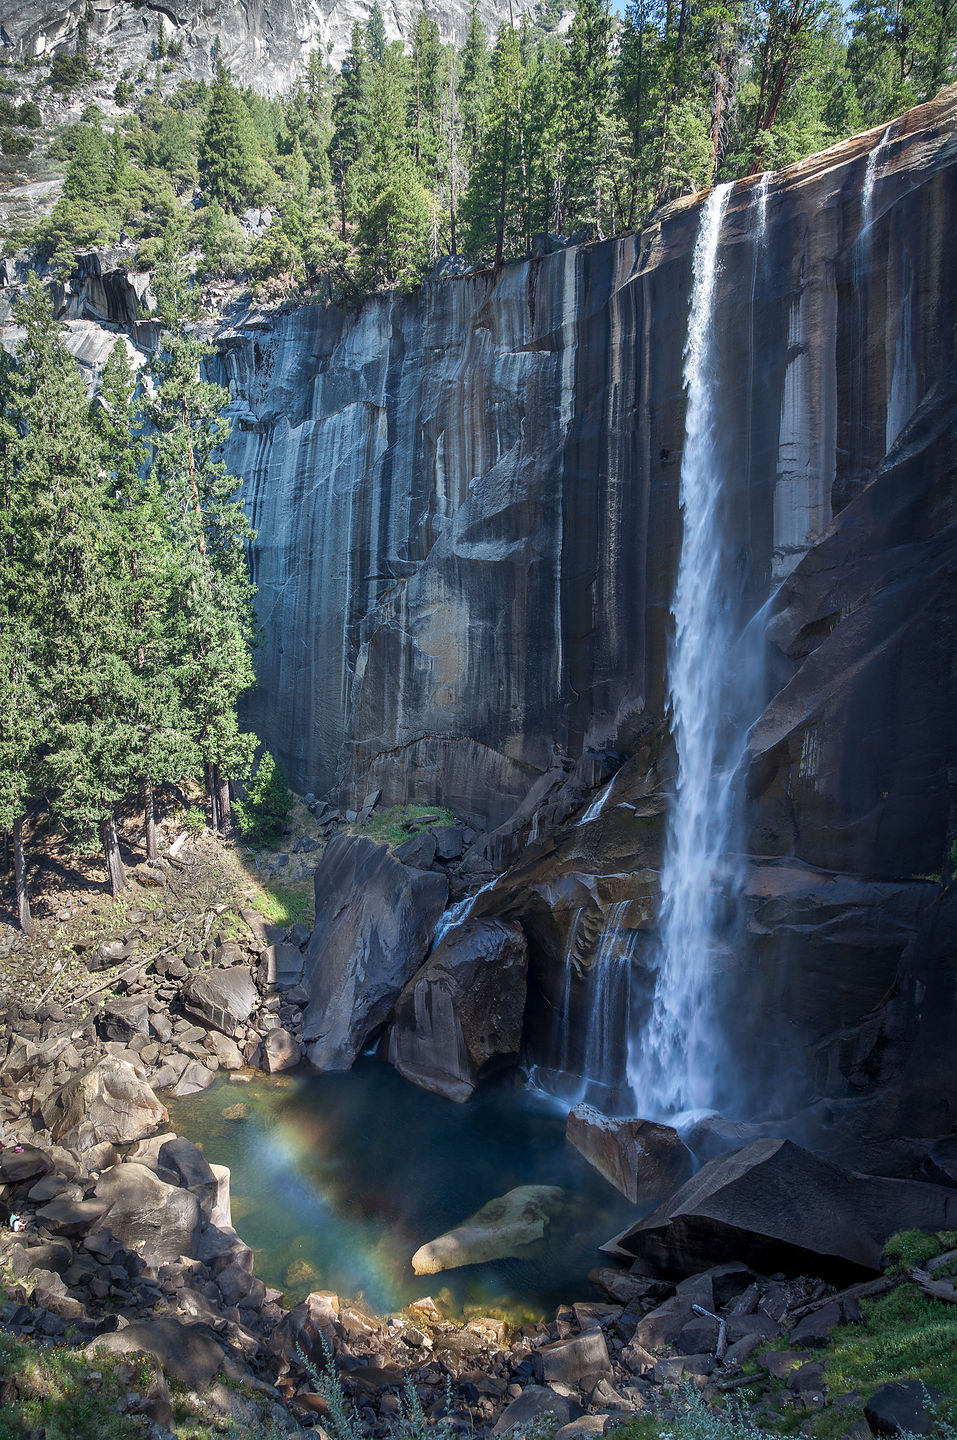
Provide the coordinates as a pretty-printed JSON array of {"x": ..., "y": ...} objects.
[{"x": 126, "y": 1242}]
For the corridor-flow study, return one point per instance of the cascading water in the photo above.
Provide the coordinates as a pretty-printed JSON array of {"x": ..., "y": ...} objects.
[
  {"x": 867, "y": 192},
  {"x": 607, "y": 1001},
  {"x": 588, "y": 1052},
  {"x": 673, "y": 1068}
]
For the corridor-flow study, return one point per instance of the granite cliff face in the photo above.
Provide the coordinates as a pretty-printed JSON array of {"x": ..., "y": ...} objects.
[
  {"x": 467, "y": 502},
  {"x": 265, "y": 43},
  {"x": 467, "y": 505}
]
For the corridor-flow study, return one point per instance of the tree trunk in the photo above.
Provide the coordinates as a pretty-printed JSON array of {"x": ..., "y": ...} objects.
[
  {"x": 213, "y": 796},
  {"x": 500, "y": 217},
  {"x": 717, "y": 111},
  {"x": 20, "y": 880},
  {"x": 222, "y": 801},
  {"x": 149, "y": 820},
  {"x": 111, "y": 849}
]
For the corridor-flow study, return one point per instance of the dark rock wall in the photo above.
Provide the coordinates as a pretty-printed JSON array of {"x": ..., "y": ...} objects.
[{"x": 467, "y": 502}]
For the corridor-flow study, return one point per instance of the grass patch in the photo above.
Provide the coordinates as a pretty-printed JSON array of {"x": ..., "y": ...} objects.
[
  {"x": 905, "y": 1336},
  {"x": 391, "y": 826},
  {"x": 62, "y": 1394},
  {"x": 281, "y": 904},
  {"x": 695, "y": 1422}
]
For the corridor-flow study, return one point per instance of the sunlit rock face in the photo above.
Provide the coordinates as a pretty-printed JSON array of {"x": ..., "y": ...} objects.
[
  {"x": 468, "y": 524},
  {"x": 265, "y": 43}
]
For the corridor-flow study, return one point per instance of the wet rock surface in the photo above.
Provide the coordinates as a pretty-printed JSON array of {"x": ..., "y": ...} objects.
[{"x": 462, "y": 1014}]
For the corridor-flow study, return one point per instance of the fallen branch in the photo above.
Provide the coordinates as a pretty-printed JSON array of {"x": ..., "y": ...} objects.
[
  {"x": 937, "y": 1289},
  {"x": 56, "y": 975},
  {"x": 739, "y": 1381},
  {"x": 722, "y": 1345},
  {"x": 126, "y": 974},
  {"x": 940, "y": 1260},
  {"x": 177, "y": 845},
  {"x": 865, "y": 1289}
]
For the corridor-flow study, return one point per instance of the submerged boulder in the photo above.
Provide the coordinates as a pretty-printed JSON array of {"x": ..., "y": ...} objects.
[
  {"x": 506, "y": 1226},
  {"x": 778, "y": 1207},
  {"x": 375, "y": 918},
  {"x": 460, "y": 1017},
  {"x": 108, "y": 1102},
  {"x": 642, "y": 1159}
]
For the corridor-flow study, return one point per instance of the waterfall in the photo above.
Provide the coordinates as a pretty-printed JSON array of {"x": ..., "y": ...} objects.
[
  {"x": 608, "y": 1009},
  {"x": 870, "y": 175},
  {"x": 589, "y": 1061},
  {"x": 674, "y": 1063},
  {"x": 458, "y": 913}
]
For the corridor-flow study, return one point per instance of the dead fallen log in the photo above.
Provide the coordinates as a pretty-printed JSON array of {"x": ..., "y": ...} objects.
[
  {"x": 864, "y": 1290},
  {"x": 937, "y": 1289}
]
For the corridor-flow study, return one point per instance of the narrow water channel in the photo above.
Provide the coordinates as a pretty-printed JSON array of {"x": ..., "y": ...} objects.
[{"x": 338, "y": 1179}]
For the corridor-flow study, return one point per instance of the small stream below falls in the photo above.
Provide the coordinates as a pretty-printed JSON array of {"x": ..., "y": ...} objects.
[{"x": 336, "y": 1180}]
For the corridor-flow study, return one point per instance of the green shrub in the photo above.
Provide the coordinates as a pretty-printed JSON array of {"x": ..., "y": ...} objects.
[
  {"x": 123, "y": 92},
  {"x": 69, "y": 72},
  {"x": 913, "y": 1247},
  {"x": 194, "y": 818},
  {"x": 28, "y": 115},
  {"x": 12, "y": 144},
  {"x": 262, "y": 813}
]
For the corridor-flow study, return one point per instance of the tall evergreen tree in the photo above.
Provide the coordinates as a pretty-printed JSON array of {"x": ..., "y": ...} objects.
[
  {"x": 228, "y": 146},
  {"x": 349, "y": 121},
  {"x": 209, "y": 533}
]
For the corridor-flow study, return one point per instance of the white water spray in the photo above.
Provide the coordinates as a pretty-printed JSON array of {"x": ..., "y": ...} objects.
[{"x": 674, "y": 1064}]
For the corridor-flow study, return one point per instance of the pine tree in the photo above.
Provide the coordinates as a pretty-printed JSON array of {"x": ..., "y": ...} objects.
[
  {"x": 473, "y": 84},
  {"x": 375, "y": 41},
  {"x": 495, "y": 206},
  {"x": 349, "y": 120},
  {"x": 393, "y": 234},
  {"x": 209, "y": 532},
  {"x": 587, "y": 110},
  {"x": 262, "y": 812},
  {"x": 162, "y": 749},
  {"x": 67, "y": 614},
  {"x": 228, "y": 146}
]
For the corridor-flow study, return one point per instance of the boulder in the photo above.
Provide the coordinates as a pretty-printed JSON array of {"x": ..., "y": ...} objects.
[
  {"x": 534, "y": 1403},
  {"x": 567, "y": 1362},
  {"x": 306, "y": 1328},
  {"x": 193, "y": 1079},
  {"x": 642, "y": 1159},
  {"x": 418, "y": 852},
  {"x": 281, "y": 1051},
  {"x": 191, "y": 1354},
  {"x": 123, "y": 1019},
  {"x": 107, "y": 1103},
  {"x": 223, "y": 998},
  {"x": 778, "y": 1207},
  {"x": 109, "y": 953},
  {"x": 374, "y": 921},
  {"x": 903, "y": 1409},
  {"x": 226, "y": 1051},
  {"x": 160, "y": 1221},
  {"x": 29, "y": 1164},
  {"x": 460, "y": 1018},
  {"x": 281, "y": 967},
  {"x": 504, "y": 1227}
]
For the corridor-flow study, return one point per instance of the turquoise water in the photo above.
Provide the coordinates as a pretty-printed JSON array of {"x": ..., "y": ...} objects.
[{"x": 338, "y": 1179}]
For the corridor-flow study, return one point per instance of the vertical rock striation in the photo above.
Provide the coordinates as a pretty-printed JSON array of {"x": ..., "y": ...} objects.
[{"x": 467, "y": 498}]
